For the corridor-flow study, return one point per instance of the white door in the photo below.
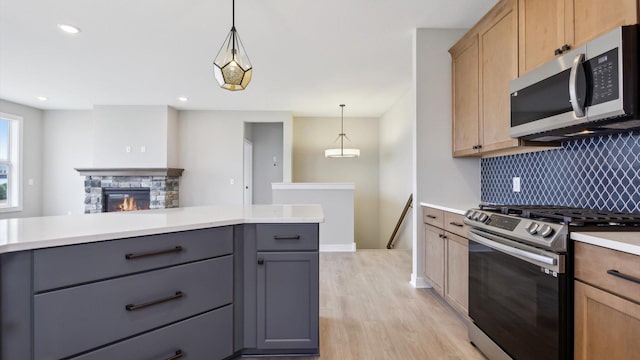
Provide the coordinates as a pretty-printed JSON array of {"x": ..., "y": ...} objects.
[{"x": 248, "y": 172}]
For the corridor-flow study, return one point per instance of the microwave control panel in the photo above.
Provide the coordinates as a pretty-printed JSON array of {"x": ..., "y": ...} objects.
[{"x": 604, "y": 77}]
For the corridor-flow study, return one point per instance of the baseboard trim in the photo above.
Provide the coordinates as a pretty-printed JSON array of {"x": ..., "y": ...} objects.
[
  {"x": 338, "y": 247},
  {"x": 419, "y": 282}
]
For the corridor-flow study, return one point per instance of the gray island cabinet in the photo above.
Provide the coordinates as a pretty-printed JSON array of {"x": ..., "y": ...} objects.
[{"x": 214, "y": 293}]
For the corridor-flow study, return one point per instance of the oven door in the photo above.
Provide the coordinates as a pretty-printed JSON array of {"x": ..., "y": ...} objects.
[{"x": 517, "y": 297}]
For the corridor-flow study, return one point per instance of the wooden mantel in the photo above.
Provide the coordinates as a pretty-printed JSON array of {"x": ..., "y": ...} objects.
[{"x": 130, "y": 171}]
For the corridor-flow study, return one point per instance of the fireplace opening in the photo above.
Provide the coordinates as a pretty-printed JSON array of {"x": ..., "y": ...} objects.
[{"x": 125, "y": 199}]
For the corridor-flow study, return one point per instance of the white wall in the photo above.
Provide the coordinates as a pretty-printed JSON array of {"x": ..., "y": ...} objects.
[
  {"x": 211, "y": 152},
  {"x": 396, "y": 173},
  {"x": 119, "y": 126},
  {"x": 31, "y": 158},
  {"x": 439, "y": 178},
  {"x": 173, "y": 158},
  {"x": 267, "y": 144},
  {"x": 67, "y": 145},
  {"x": 312, "y": 136}
]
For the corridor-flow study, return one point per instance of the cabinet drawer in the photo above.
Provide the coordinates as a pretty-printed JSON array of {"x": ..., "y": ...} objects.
[
  {"x": 283, "y": 237},
  {"x": 206, "y": 336},
  {"x": 593, "y": 262},
  {"x": 454, "y": 223},
  {"x": 433, "y": 217},
  {"x": 81, "y": 318},
  {"x": 76, "y": 264}
]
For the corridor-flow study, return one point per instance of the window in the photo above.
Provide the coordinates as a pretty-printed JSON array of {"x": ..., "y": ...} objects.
[{"x": 10, "y": 169}]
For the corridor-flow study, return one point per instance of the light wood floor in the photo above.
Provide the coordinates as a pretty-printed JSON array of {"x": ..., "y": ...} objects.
[{"x": 368, "y": 310}]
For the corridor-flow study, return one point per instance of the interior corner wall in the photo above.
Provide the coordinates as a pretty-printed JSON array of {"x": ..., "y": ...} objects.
[
  {"x": 396, "y": 172},
  {"x": 311, "y": 136},
  {"x": 439, "y": 178},
  {"x": 173, "y": 158},
  {"x": 267, "y": 146},
  {"x": 31, "y": 158},
  {"x": 211, "y": 147},
  {"x": 68, "y": 144}
]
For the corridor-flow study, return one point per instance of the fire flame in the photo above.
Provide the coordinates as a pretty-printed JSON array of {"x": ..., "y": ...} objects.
[{"x": 128, "y": 204}]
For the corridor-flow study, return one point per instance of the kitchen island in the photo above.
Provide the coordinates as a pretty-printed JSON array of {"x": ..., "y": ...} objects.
[{"x": 209, "y": 282}]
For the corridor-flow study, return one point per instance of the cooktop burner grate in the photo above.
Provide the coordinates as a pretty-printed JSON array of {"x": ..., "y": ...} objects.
[{"x": 568, "y": 215}]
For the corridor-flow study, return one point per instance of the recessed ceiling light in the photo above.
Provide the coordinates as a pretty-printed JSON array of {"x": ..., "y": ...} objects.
[
  {"x": 69, "y": 29},
  {"x": 42, "y": 98},
  {"x": 183, "y": 98}
]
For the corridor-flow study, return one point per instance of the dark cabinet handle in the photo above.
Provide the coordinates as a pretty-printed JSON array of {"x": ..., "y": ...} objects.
[
  {"x": 565, "y": 47},
  {"x": 132, "y": 307},
  {"x": 260, "y": 261},
  {"x": 479, "y": 146},
  {"x": 557, "y": 52},
  {"x": 179, "y": 354},
  {"x": 432, "y": 217},
  {"x": 441, "y": 236},
  {"x": 176, "y": 249},
  {"x": 286, "y": 237},
  {"x": 456, "y": 224},
  {"x": 616, "y": 273}
]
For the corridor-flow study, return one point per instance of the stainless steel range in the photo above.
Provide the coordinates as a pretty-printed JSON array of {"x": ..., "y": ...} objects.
[{"x": 521, "y": 277}]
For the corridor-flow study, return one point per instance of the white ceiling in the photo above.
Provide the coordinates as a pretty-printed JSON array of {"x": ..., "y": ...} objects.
[{"x": 308, "y": 56}]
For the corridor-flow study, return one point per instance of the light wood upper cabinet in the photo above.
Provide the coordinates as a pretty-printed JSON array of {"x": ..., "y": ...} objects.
[
  {"x": 465, "y": 79},
  {"x": 545, "y": 26},
  {"x": 499, "y": 65},
  {"x": 541, "y": 31},
  {"x": 586, "y": 19}
]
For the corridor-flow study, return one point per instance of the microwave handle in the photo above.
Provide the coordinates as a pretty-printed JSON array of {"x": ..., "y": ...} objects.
[{"x": 573, "y": 86}]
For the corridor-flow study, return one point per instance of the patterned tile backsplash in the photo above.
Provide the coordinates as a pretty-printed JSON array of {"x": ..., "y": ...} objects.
[{"x": 601, "y": 173}]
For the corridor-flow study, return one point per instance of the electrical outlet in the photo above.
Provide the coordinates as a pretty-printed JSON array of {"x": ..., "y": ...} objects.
[
  {"x": 128, "y": 148},
  {"x": 516, "y": 184},
  {"x": 232, "y": 181}
]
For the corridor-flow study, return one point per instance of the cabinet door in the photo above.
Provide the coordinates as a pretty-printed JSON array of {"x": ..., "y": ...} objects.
[
  {"x": 288, "y": 305},
  {"x": 499, "y": 65},
  {"x": 606, "y": 326},
  {"x": 465, "y": 98},
  {"x": 457, "y": 283},
  {"x": 542, "y": 31},
  {"x": 434, "y": 247},
  {"x": 587, "y": 19}
]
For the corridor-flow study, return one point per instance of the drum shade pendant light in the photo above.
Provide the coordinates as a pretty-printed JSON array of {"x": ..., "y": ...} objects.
[
  {"x": 231, "y": 66},
  {"x": 342, "y": 152}
]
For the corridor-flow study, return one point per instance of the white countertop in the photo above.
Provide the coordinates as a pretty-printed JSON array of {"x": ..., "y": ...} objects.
[
  {"x": 460, "y": 210},
  {"x": 626, "y": 241},
  {"x": 313, "y": 186},
  {"x": 48, "y": 231}
]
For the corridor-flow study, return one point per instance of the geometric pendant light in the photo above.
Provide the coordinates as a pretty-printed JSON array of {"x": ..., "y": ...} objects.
[
  {"x": 231, "y": 66},
  {"x": 342, "y": 152}
]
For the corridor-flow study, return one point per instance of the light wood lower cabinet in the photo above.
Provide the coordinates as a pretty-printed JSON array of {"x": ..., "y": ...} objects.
[
  {"x": 434, "y": 256},
  {"x": 607, "y": 304},
  {"x": 606, "y": 326},
  {"x": 446, "y": 258},
  {"x": 457, "y": 275}
]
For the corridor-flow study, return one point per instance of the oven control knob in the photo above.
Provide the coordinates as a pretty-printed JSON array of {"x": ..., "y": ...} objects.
[
  {"x": 483, "y": 217},
  {"x": 469, "y": 214},
  {"x": 476, "y": 215},
  {"x": 532, "y": 228},
  {"x": 546, "y": 231}
]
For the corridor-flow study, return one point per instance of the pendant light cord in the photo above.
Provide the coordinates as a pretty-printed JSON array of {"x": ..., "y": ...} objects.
[{"x": 233, "y": 28}]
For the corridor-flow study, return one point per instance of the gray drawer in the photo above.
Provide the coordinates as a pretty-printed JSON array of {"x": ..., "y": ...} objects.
[
  {"x": 82, "y": 318},
  {"x": 285, "y": 237},
  {"x": 69, "y": 265},
  {"x": 206, "y": 336}
]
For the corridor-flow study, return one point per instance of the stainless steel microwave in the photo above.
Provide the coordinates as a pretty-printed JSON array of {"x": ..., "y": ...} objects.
[{"x": 590, "y": 90}]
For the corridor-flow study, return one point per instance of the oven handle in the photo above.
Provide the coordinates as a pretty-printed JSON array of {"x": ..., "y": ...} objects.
[
  {"x": 578, "y": 109},
  {"x": 519, "y": 253}
]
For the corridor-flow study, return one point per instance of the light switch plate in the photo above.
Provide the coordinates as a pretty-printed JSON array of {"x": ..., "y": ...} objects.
[{"x": 516, "y": 184}]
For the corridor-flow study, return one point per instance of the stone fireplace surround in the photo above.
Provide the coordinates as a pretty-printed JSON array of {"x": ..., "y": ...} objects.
[{"x": 164, "y": 185}]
